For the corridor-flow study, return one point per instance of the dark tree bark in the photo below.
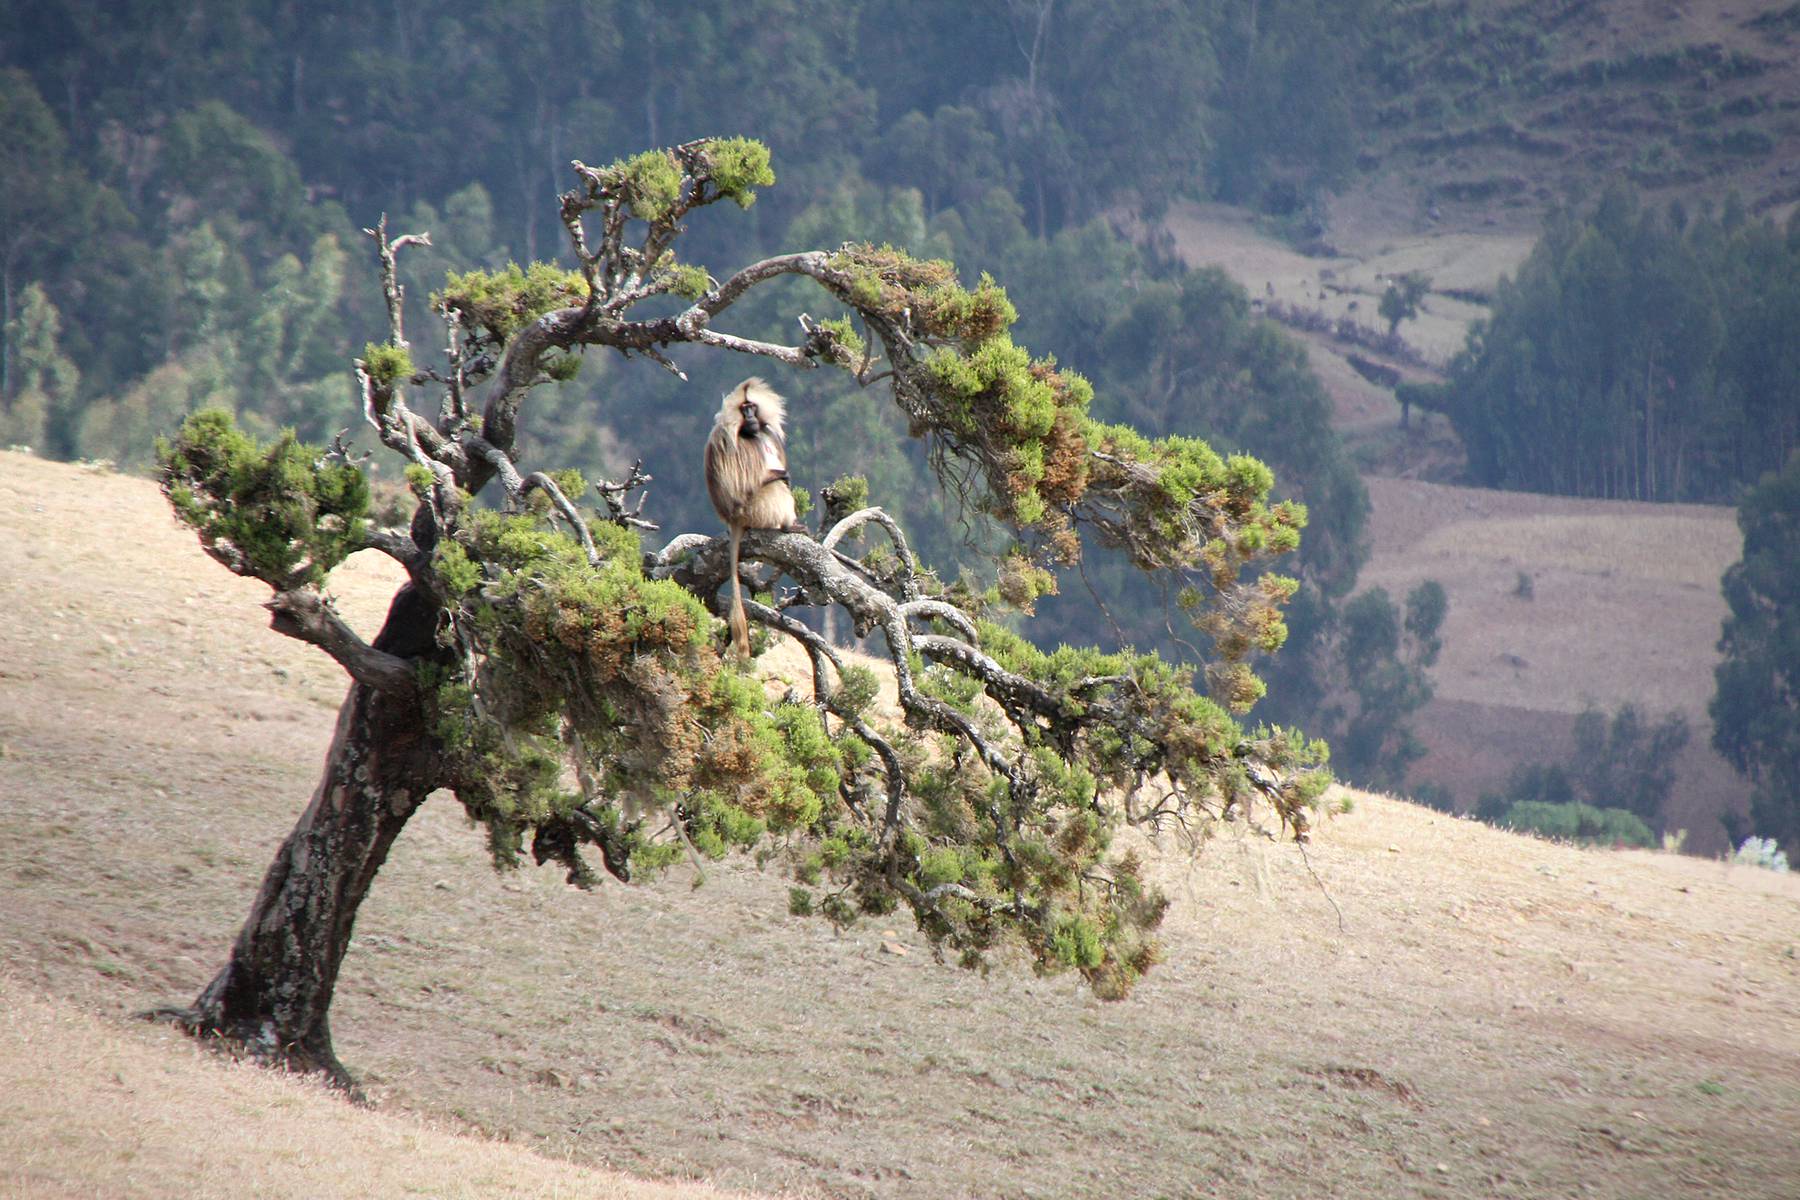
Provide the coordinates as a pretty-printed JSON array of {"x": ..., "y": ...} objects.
[{"x": 274, "y": 995}]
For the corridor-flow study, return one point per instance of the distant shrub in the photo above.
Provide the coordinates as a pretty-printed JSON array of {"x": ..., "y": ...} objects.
[
  {"x": 1435, "y": 795},
  {"x": 1761, "y": 852},
  {"x": 1578, "y": 823},
  {"x": 1625, "y": 763}
]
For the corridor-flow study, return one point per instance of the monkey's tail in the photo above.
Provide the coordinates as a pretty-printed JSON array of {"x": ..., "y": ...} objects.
[{"x": 740, "y": 625}]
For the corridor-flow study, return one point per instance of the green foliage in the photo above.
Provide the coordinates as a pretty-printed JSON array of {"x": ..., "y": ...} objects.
[
  {"x": 1400, "y": 301},
  {"x": 1578, "y": 823},
  {"x": 1020, "y": 417},
  {"x": 386, "y": 364},
  {"x": 1182, "y": 470},
  {"x": 1386, "y": 672},
  {"x": 280, "y": 512},
  {"x": 1186, "y": 355},
  {"x": 857, "y": 689},
  {"x": 1629, "y": 761},
  {"x": 263, "y": 342},
  {"x": 688, "y": 281},
  {"x": 1755, "y": 708},
  {"x": 844, "y": 334},
  {"x": 1295, "y": 87},
  {"x": 502, "y": 302},
  {"x": 619, "y": 671},
  {"x": 651, "y": 182},
  {"x": 1363, "y": 672},
  {"x": 1020, "y": 583},
  {"x": 459, "y": 573},
  {"x": 1008, "y": 177},
  {"x": 1626, "y": 764},
  {"x": 43, "y": 382},
  {"x": 578, "y": 700},
  {"x": 892, "y": 282},
  {"x": 737, "y": 167}
]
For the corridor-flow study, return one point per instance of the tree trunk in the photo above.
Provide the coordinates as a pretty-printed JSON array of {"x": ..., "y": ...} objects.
[
  {"x": 5, "y": 339},
  {"x": 274, "y": 996}
]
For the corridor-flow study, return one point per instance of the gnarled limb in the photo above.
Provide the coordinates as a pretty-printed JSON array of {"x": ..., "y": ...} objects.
[
  {"x": 310, "y": 617},
  {"x": 391, "y": 287}
]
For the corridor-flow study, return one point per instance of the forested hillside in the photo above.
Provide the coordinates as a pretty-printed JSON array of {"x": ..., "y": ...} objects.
[{"x": 1640, "y": 354}]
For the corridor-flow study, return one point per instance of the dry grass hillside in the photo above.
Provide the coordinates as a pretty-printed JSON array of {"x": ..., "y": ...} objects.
[
  {"x": 1494, "y": 1017},
  {"x": 90, "y": 1108}
]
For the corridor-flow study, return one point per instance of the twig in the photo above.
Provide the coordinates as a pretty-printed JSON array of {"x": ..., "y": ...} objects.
[{"x": 1327, "y": 891}]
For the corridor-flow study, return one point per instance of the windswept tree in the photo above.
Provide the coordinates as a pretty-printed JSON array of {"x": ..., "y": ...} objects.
[{"x": 567, "y": 687}]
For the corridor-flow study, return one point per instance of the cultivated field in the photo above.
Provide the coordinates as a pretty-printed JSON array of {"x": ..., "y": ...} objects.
[
  {"x": 1495, "y": 1016},
  {"x": 1625, "y": 603}
]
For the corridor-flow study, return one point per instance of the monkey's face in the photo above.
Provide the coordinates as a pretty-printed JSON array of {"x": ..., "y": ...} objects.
[{"x": 750, "y": 422}]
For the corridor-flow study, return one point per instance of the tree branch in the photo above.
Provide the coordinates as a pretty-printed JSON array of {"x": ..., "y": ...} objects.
[
  {"x": 390, "y": 279},
  {"x": 793, "y": 356},
  {"x": 309, "y": 617},
  {"x": 539, "y": 480}
]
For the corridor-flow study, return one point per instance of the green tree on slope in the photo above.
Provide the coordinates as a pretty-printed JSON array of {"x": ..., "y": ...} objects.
[
  {"x": 566, "y": 685},
  {"x": 1756, "y": 707}
]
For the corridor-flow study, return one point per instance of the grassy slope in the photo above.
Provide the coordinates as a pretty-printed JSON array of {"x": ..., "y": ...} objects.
[
  {"x": 90, "y": 1108},
  {"x": 1497, "y": 1016}
]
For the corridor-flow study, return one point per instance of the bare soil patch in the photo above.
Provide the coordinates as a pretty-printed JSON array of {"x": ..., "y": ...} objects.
[
  {"x": 1591, "y": 566},
  {"x": 1496, "y": 1017}
]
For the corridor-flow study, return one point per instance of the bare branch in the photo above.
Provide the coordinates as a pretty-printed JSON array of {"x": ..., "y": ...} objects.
[
  {"x": 613, "y": 495},
  {"x": 809, "y": 262},
  {"x": 938, "y": 610},
  {"x": 390, "y": 279},
  {"x": 453, "y": 412},
  {"x": 878, "y": 516},
  {"x": 666, "y": 363},
  {"x": 793, "y": 356},
  {"x": 539, "y": 480},
  {"x": 397, "y": 544},
  {"x": 309, "y": 617}
]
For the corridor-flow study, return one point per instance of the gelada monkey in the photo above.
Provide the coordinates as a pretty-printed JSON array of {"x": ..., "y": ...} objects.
[{"x": 746, "y": 476}]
